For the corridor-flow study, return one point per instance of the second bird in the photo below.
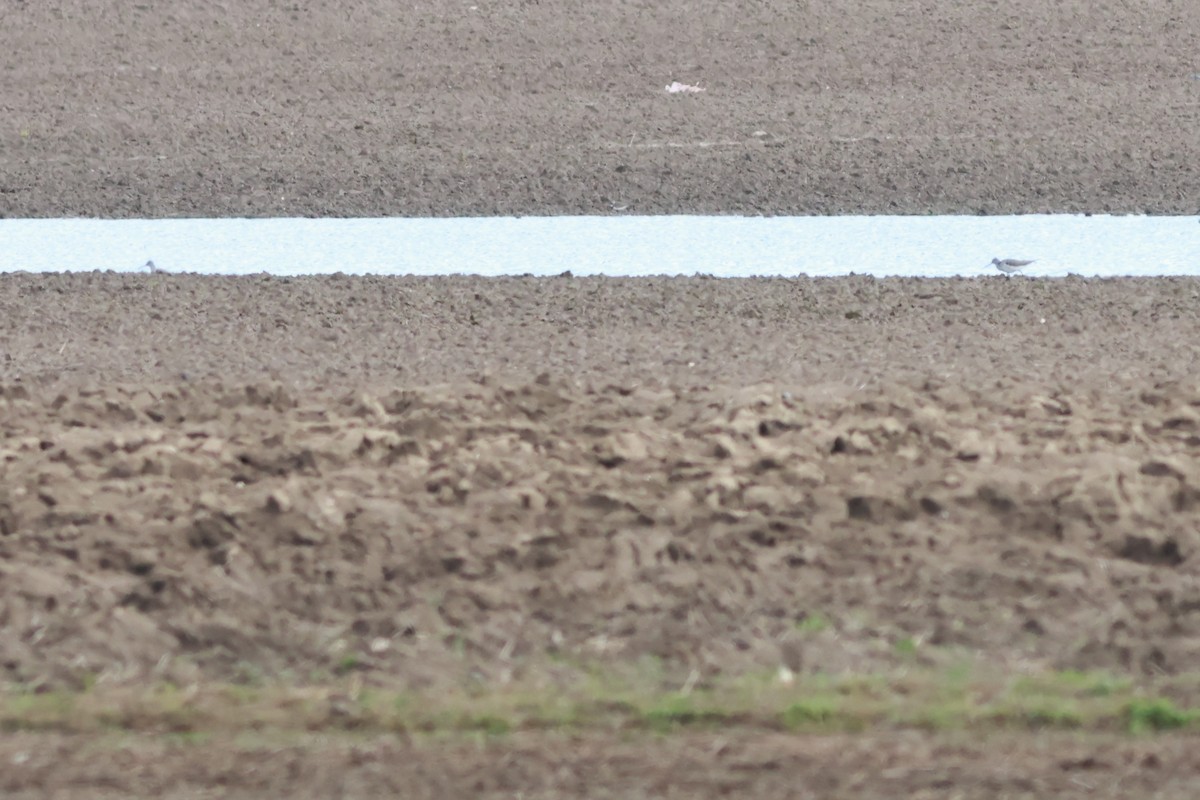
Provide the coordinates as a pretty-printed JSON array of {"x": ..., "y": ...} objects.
[{"x": 1009, "y": 265}]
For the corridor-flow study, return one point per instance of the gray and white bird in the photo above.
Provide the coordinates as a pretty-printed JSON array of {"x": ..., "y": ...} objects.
[{"x": 1009, "y": 265}]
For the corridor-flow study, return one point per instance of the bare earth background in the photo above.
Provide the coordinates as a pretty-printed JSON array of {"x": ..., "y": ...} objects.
[{"x": 417, "y": 485}]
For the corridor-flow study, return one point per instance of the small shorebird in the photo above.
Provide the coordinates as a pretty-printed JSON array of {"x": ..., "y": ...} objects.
[{"x": 1009, "y": 265}]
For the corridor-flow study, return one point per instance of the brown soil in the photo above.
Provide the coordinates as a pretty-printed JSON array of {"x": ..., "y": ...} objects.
[
  {"x": 433, "y": 484},
  {"x": 693, "y": 503},
  {"x": 439, "y": 483},
  {"x": 264, "y": 108},
  {"x": 681, "y": 766}
]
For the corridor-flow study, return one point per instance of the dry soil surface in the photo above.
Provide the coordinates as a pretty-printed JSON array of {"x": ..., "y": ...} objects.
[
  {"x": 455, "y": 482},
  {"x": 364, "y": 108}
]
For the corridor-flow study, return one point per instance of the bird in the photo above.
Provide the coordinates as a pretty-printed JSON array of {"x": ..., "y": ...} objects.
[{"x": 1009, "y": 265}]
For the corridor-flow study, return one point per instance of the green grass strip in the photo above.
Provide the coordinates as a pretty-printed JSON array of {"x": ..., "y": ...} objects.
[{"x": 935, "y": 700}]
